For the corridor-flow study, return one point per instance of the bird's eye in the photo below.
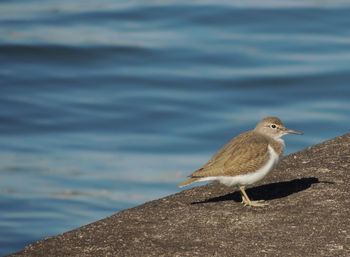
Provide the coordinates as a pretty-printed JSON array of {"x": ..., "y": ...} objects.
[{"x": 273, "y": 126}]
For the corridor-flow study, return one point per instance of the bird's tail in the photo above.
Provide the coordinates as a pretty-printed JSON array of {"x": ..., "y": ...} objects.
[{"x": 187, "y": 182}]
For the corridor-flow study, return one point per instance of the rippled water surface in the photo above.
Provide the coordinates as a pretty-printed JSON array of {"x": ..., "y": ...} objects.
[{"x": 107, "y": 104}]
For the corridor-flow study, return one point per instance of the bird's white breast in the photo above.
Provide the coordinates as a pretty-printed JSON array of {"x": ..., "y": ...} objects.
[{"x": 249, "y": 178}]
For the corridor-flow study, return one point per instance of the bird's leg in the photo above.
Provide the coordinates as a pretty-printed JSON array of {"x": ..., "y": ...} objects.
[
  {"x": 244, "y": 200},
  {"x": 247, "y": 201}
]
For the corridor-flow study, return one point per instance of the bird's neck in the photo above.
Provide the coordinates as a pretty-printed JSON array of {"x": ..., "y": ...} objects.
[{"x": 277, "y": 144}]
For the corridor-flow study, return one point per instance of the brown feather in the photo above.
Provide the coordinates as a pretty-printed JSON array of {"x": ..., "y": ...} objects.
[
  {"x": 243, "y": 154},
  {"x": 187, "y": 182}
]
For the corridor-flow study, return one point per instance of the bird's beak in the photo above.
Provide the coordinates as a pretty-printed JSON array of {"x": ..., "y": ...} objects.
[{"x": 292, "y": 131}]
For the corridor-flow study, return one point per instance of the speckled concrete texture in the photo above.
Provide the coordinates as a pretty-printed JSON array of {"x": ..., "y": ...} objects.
[{"x": 308, "y": 215}]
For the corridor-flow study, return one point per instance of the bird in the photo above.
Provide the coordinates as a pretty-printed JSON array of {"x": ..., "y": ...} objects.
[{"x": 246, "y": 158}]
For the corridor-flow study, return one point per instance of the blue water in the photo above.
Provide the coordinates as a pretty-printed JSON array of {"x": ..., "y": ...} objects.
[{"x": 107, "y": 104}]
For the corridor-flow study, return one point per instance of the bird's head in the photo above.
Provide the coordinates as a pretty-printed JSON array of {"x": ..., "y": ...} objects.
[{"x": 273, "y": 127}]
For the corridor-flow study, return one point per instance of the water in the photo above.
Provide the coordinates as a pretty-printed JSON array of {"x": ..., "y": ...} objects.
[{"x": 107, "y": 104}]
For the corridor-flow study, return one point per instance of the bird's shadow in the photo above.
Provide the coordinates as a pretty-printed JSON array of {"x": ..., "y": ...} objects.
[{"x": 269, "y": 191}]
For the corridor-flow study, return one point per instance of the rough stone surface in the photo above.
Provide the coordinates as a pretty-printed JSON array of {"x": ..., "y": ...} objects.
[{"x": 308, "y": 215}]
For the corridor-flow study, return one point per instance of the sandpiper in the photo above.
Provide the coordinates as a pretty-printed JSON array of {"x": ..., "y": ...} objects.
[{"x": 246, "y": 159}]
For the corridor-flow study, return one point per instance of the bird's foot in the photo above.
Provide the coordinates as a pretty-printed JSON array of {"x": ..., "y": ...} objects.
[
  {"x": 247, "y": 202},
  {"x": 260, "y": 203}
]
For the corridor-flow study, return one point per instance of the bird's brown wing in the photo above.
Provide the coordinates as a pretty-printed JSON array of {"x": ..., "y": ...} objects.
[{"x": 243, "y": 154}]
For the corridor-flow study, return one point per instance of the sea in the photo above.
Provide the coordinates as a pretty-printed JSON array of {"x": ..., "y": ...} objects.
[{"x": 105, "y": 105}]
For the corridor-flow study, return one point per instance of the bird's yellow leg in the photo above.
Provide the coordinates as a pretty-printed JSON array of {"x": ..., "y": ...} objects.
[
  {"x": 247, "y": 201},
  {"x": 244, "y": 200}
]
